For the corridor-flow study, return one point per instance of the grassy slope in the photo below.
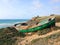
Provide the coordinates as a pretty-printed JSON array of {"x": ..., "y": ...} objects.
[
  {"x": 7, "y": 34},
  {"x": 49, "y": 40},
  {"x": 57, "y": 18},
  {"x": 53, "y": 39}
]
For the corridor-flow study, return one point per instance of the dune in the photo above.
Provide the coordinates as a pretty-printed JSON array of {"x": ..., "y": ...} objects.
[{"x": 10, "y": 36}]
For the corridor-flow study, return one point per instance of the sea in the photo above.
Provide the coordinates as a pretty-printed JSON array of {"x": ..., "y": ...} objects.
[{"x": 10, "y": 22}]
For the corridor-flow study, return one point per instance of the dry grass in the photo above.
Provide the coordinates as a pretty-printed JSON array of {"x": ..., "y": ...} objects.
[
  {"x": 44, "y": 31},
  {"x": 49, "y": 40},
  {"x": 7, "y": 35}
]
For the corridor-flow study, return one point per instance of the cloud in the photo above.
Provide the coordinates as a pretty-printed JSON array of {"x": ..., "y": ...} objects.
[
  {"x": 7, "y": 10},
  {"x": 34, "y": 8},
  {"x": 54, "y": 1},
  {"x": 56, "y": 8},
  {"x": 7, "y": 3},
  {"x": 37, "y": 4}
]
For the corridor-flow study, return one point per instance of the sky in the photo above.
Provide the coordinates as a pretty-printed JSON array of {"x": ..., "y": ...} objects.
[{"x": 26, "y": 9}]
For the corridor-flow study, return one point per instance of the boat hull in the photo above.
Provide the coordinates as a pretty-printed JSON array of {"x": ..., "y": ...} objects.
[{"x": 46, "y": 25}]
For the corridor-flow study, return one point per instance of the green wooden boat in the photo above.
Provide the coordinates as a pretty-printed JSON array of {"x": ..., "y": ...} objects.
[{"x": 44, "y": 24}]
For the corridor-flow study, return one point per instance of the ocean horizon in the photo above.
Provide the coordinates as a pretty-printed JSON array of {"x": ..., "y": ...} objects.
[{"x": 10, "y": 22}]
